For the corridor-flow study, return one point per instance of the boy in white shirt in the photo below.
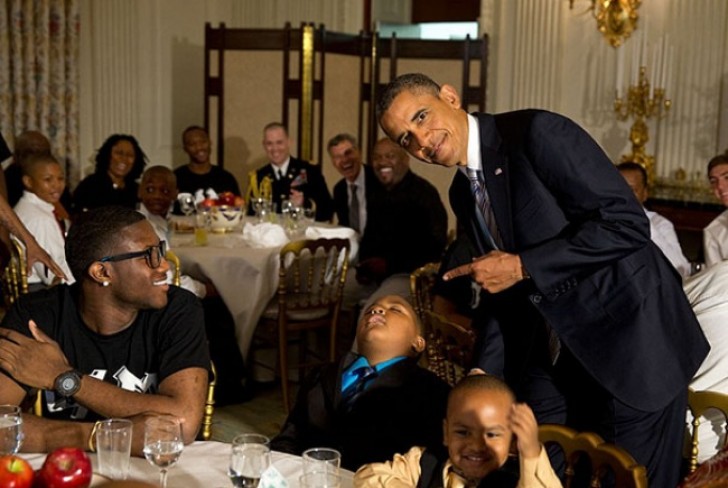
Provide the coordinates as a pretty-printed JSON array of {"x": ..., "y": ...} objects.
[
  {"x": 662, "y": 231},
  {"x": 44, "y": 183}
]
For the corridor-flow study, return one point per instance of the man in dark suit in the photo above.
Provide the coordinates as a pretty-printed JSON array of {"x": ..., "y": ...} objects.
[
  {"x": 351, "y": 210},
  {"x": 374, "y": 404},
  {"x": 293, "y": 179},
  {"x": 565, "y": 253}
]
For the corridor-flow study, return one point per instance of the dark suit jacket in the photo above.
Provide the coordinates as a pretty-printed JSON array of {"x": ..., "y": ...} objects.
[
  {"x": 401, "y": 408},
  {"x": 597, "y": 278},
  {"x": 407, "y": 226},
  {"x": 341, "y": 194},
  {"x": 306, "y": 178}
]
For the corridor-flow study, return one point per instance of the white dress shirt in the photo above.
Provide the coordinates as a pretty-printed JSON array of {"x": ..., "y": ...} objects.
[
  {"x": 708, "y": 295},
  {"x": 280, "y": 171},
  {"x": 161, "y": 227},
  {"x": 715, "y": 240},
  {"x": 663, "y": 234},
  {"x": 37, "y": 215}
]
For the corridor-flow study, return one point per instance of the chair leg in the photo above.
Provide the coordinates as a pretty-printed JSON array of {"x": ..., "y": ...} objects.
[{"x": 283, "y": 361}]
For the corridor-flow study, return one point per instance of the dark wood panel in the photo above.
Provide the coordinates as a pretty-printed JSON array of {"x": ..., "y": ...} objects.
[{"x": 441, "y": 11}]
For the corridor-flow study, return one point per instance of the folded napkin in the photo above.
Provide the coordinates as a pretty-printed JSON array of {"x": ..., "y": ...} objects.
[
  {"x": 316, "y": 232},
  {"x": 272, "y": 478},
  {"x": 265, "y": 234}
]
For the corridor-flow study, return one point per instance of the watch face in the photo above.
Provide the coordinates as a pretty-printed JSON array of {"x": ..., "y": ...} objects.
[{"x": 68, "y": 383}]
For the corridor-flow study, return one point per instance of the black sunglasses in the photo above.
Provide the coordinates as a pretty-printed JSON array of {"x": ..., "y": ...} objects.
[{"x": 153, "y": 255}]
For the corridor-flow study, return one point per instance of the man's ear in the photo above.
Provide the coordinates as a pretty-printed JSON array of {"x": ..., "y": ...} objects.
[
  {"x": 418, "y": 345},
  {"x": 449, "y": 95},
  {"x": 99, "y": 273}
]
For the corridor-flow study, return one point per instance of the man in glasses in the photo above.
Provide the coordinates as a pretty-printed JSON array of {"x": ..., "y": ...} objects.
[{"x": 120, "y": 342}]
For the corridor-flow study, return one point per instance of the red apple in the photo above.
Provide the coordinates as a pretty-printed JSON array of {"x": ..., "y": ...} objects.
[
  {"x": 15, "y": 472},
  {"x": 239, "y": 202},
  {"x": 66, "y": 467},
  {"x": 226, "y": 198}
]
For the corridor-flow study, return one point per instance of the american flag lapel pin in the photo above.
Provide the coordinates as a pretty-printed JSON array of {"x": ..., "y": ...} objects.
[{"x": 498, "y": 171}]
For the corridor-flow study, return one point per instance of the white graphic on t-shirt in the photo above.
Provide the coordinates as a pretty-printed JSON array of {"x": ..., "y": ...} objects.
[{"x": 125, "y": 379}]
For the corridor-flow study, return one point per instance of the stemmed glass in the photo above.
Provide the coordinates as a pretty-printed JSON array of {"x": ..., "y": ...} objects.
[
  {"x": 163, "y": 443},
  {"x": 250, "y": 457},
  {"x": 11, "y": 429}
]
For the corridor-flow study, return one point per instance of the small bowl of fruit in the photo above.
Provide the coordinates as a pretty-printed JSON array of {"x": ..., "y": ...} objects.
[{"x": 225, "y": 212}]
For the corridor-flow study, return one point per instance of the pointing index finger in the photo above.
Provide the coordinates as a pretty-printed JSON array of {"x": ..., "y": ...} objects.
[{"x": 461, "y": 270}]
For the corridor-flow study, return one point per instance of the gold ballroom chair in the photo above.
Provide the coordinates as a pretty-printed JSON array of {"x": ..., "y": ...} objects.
[
  {"x": 604, "y": 457},
  {"x": 206, "y": 428},
  {"x": 310, "y": 286},
  {"x": 698, "y": 403},
  {"x": 15, "y": 275},
  {"x": 422, "y": 280},
  {"x": 449, "y": 347}
]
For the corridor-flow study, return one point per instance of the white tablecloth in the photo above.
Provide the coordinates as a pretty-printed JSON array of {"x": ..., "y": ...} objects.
[
  {"x": 204, "y": 464},
  {"x": 246, "y": 277}
]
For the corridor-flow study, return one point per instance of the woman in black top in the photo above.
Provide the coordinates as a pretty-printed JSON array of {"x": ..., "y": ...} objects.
[{"x": 119, "y": 163}]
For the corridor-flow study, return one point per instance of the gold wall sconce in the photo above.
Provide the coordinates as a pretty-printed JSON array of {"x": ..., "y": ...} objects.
[{"x": 616, "y": 19}]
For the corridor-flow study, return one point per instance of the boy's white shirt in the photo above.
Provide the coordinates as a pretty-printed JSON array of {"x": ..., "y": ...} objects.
[{"x": 37, "y": 216}]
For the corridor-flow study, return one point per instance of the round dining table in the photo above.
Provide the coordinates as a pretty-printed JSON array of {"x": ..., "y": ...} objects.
[
  {"x": 243, "y": 269},
  {"x": 204, "y": 465}
]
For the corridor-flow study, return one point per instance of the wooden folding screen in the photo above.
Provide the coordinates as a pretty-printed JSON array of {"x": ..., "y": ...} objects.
[{"x": 318, "y": 83}]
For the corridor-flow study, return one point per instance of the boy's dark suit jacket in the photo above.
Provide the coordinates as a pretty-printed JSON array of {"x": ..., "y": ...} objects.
[
  {"x": 597, "y": 279},
  {"x": 341, "y": 194},
  {"x": 314, "y": 187},
  {"x": 401, "y": 408}
]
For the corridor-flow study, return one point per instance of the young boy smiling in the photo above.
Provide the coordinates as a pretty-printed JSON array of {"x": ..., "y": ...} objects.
[
  {"x": 44, "y": 183},
  {"x": 482, "y": 424}
]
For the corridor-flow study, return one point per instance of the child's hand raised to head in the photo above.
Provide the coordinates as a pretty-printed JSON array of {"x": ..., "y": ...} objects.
[{"x": 525, "y": 427}]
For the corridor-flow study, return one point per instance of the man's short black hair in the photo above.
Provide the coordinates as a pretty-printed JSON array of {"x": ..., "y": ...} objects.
[
  {"x": 485, "y": 382},
  {"x": 339, "y": 138},
  {"x": 95, "y": 234},
  {"x": 414, "y": 82}
]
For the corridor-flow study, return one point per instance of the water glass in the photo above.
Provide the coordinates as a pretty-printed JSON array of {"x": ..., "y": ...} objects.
[
  {"x": 320, "y": 480},
  {"x": 250, "y": 457},
  {"x": 163, "y": 443},
  {"x": 113, "y": 447},
  {"x": 11, "y": 429},
  {"x": 321, "y": 460}
]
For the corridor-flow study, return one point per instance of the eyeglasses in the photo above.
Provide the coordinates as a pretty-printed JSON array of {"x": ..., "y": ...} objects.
[{"x": 153, "y": 255}]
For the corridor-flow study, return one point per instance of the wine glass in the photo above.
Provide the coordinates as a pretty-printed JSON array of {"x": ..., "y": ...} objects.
[
  {"x": 250, "y": 457},
  {"x": 11, "y": 429},
  {"x": 163, "y": 443}
]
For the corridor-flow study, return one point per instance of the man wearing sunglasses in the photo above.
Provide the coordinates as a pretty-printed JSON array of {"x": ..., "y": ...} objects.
[{"x": 120, "y": 342}]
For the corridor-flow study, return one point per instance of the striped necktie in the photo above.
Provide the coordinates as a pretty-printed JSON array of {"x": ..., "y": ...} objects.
[{"x": 482, "y": 201}]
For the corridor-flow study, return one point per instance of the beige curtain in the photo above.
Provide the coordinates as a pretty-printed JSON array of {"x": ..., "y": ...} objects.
[{"x": 39, "y": 75}]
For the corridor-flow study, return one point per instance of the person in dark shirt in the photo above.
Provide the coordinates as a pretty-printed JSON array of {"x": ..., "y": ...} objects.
[
  {"x": 406, "y": 228},
  {"x": 120, "y": 342},
  {"x": 199, "y": 172},
  {"x": 119, "y": 163}
]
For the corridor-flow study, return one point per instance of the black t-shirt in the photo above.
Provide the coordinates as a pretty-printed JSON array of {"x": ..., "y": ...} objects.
[
  {"x": 217, "y": 178},
  {"x": 158, "y": 344}
]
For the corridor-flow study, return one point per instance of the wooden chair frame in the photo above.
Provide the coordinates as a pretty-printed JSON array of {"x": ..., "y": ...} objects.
[
  {"x": 15, "y": 277},
  {"x": 422, "y": 280},
  {"x": 698, "y": 403},
  {"x": 310, "y": 287},
  {"x": 604, "y": 456},
  {"x": 449, "y": 347}
]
